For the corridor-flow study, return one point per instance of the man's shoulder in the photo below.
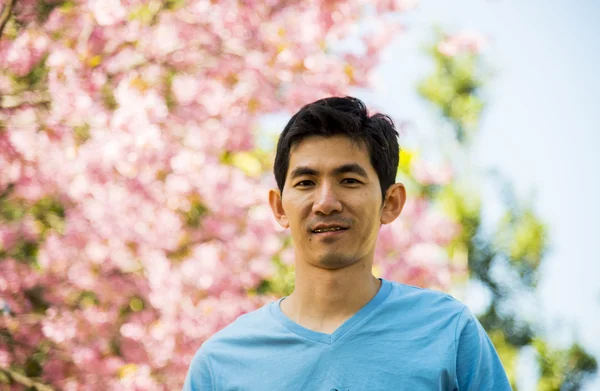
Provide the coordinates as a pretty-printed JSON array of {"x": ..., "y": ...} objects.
[
  {"x": 245, "y": 327},
  {"x": 425, "y": 300}
]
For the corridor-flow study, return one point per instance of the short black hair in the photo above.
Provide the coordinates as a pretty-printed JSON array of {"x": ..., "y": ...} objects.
[{"x": 347, "y": 116}]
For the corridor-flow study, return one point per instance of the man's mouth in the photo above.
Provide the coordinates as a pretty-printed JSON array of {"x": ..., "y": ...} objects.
[{"x": 328, "y": 229}]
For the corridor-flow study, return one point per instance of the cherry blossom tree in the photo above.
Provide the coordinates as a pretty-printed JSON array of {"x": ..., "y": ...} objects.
[{"x": 133, "y": 215}]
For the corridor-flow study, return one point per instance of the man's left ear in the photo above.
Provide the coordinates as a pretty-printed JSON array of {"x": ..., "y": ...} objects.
[{"x": 395, "y": 197}]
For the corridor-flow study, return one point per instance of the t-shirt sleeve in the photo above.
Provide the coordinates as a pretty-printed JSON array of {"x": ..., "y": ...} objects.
[
  {"x": 199, "y": 376},
  {"x": 478, "y": 366}
]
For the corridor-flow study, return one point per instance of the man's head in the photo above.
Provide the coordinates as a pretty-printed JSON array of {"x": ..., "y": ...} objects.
[
  {"x": 348, "y": 117},
  {"x": 335, "y": 169}
]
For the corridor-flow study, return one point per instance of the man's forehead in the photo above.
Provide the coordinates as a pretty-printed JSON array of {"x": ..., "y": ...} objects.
[
  {"x": 328, "y": 151},
  {"x": 338, "y": 140},
  {"x": 345, "y": 155}
]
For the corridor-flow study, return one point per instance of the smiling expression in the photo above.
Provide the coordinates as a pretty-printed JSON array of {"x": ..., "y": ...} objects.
[{"x": 332, "y": 203}]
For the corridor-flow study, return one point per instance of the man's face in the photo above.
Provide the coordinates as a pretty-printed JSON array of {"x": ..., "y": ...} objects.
[{"x": 331, "y": 202}]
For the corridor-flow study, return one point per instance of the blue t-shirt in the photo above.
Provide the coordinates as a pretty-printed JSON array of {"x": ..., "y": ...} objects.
[{"x": 405, "y": 338}]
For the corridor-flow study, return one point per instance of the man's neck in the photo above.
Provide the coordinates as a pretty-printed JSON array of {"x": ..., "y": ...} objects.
[{"x": 324, "y": 299}]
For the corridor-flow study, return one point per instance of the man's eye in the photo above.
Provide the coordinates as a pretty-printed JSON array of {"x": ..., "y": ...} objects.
[
  {"x": 304, "y": 183},
  {"x": 351, "y": 181}
]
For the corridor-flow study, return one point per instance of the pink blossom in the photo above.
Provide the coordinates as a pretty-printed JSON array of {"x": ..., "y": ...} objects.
[
  {"x": 59, "y": 327},
  {"x": 24, "y": 52},
  {"x": 463, "y": 42},
  {"x": 5, "y": 82},
  {"x": 436, "y": 227},
  {"x": 383, "y": 35},
  {"x": 123, "y": 60},
  {"x": 405, "y": 5},
  {"x": 134, "y": 331},
  {"x": 140, "y": 379},
  {"x": 107, "y": 12},
  {"x": 5, "y": 357},
  {"x": 8, "y": 237},
  {"x": 55, "y": 370},
  {"x": 426, "y": 254},
  {"x": 428, "y": 173},
  {"x": 185, "y": 88},
  {"x": 163, "y": 40}
]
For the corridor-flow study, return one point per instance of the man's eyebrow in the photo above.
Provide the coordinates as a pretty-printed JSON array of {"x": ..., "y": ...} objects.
[
  {"x": 351, "y": 168},
  {"x": 301, "y": 171},
  {"x": 343, "y": 169}
]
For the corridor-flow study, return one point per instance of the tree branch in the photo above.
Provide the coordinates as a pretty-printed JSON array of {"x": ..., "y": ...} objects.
[
  {"x": 26, "y": 381},
  {"x": 13, "y": 102},
  {"x": 5, "y": 15}
]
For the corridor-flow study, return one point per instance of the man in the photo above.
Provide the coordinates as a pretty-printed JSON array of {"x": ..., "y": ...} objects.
[{"x": 342, "y": 329}]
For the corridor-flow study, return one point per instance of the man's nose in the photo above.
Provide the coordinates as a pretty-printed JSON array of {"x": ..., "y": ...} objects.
[{"x": 326, "y": 200}]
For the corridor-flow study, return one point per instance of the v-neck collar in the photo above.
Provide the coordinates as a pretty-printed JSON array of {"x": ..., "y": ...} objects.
[{"x": 330, "y": 339}]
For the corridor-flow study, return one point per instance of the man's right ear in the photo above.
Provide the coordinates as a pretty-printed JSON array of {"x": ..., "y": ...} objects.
[{"x": 277, "y": 208}]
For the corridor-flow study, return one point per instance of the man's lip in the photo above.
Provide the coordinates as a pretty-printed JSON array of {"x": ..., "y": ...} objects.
[{"x": 313, "y": 229}]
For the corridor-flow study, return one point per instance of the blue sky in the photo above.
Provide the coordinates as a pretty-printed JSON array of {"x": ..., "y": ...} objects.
[{"x": 541, "y": 129}]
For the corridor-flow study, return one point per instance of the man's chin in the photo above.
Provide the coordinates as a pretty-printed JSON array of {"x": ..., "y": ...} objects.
[{"x": 335, "y": 261}]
